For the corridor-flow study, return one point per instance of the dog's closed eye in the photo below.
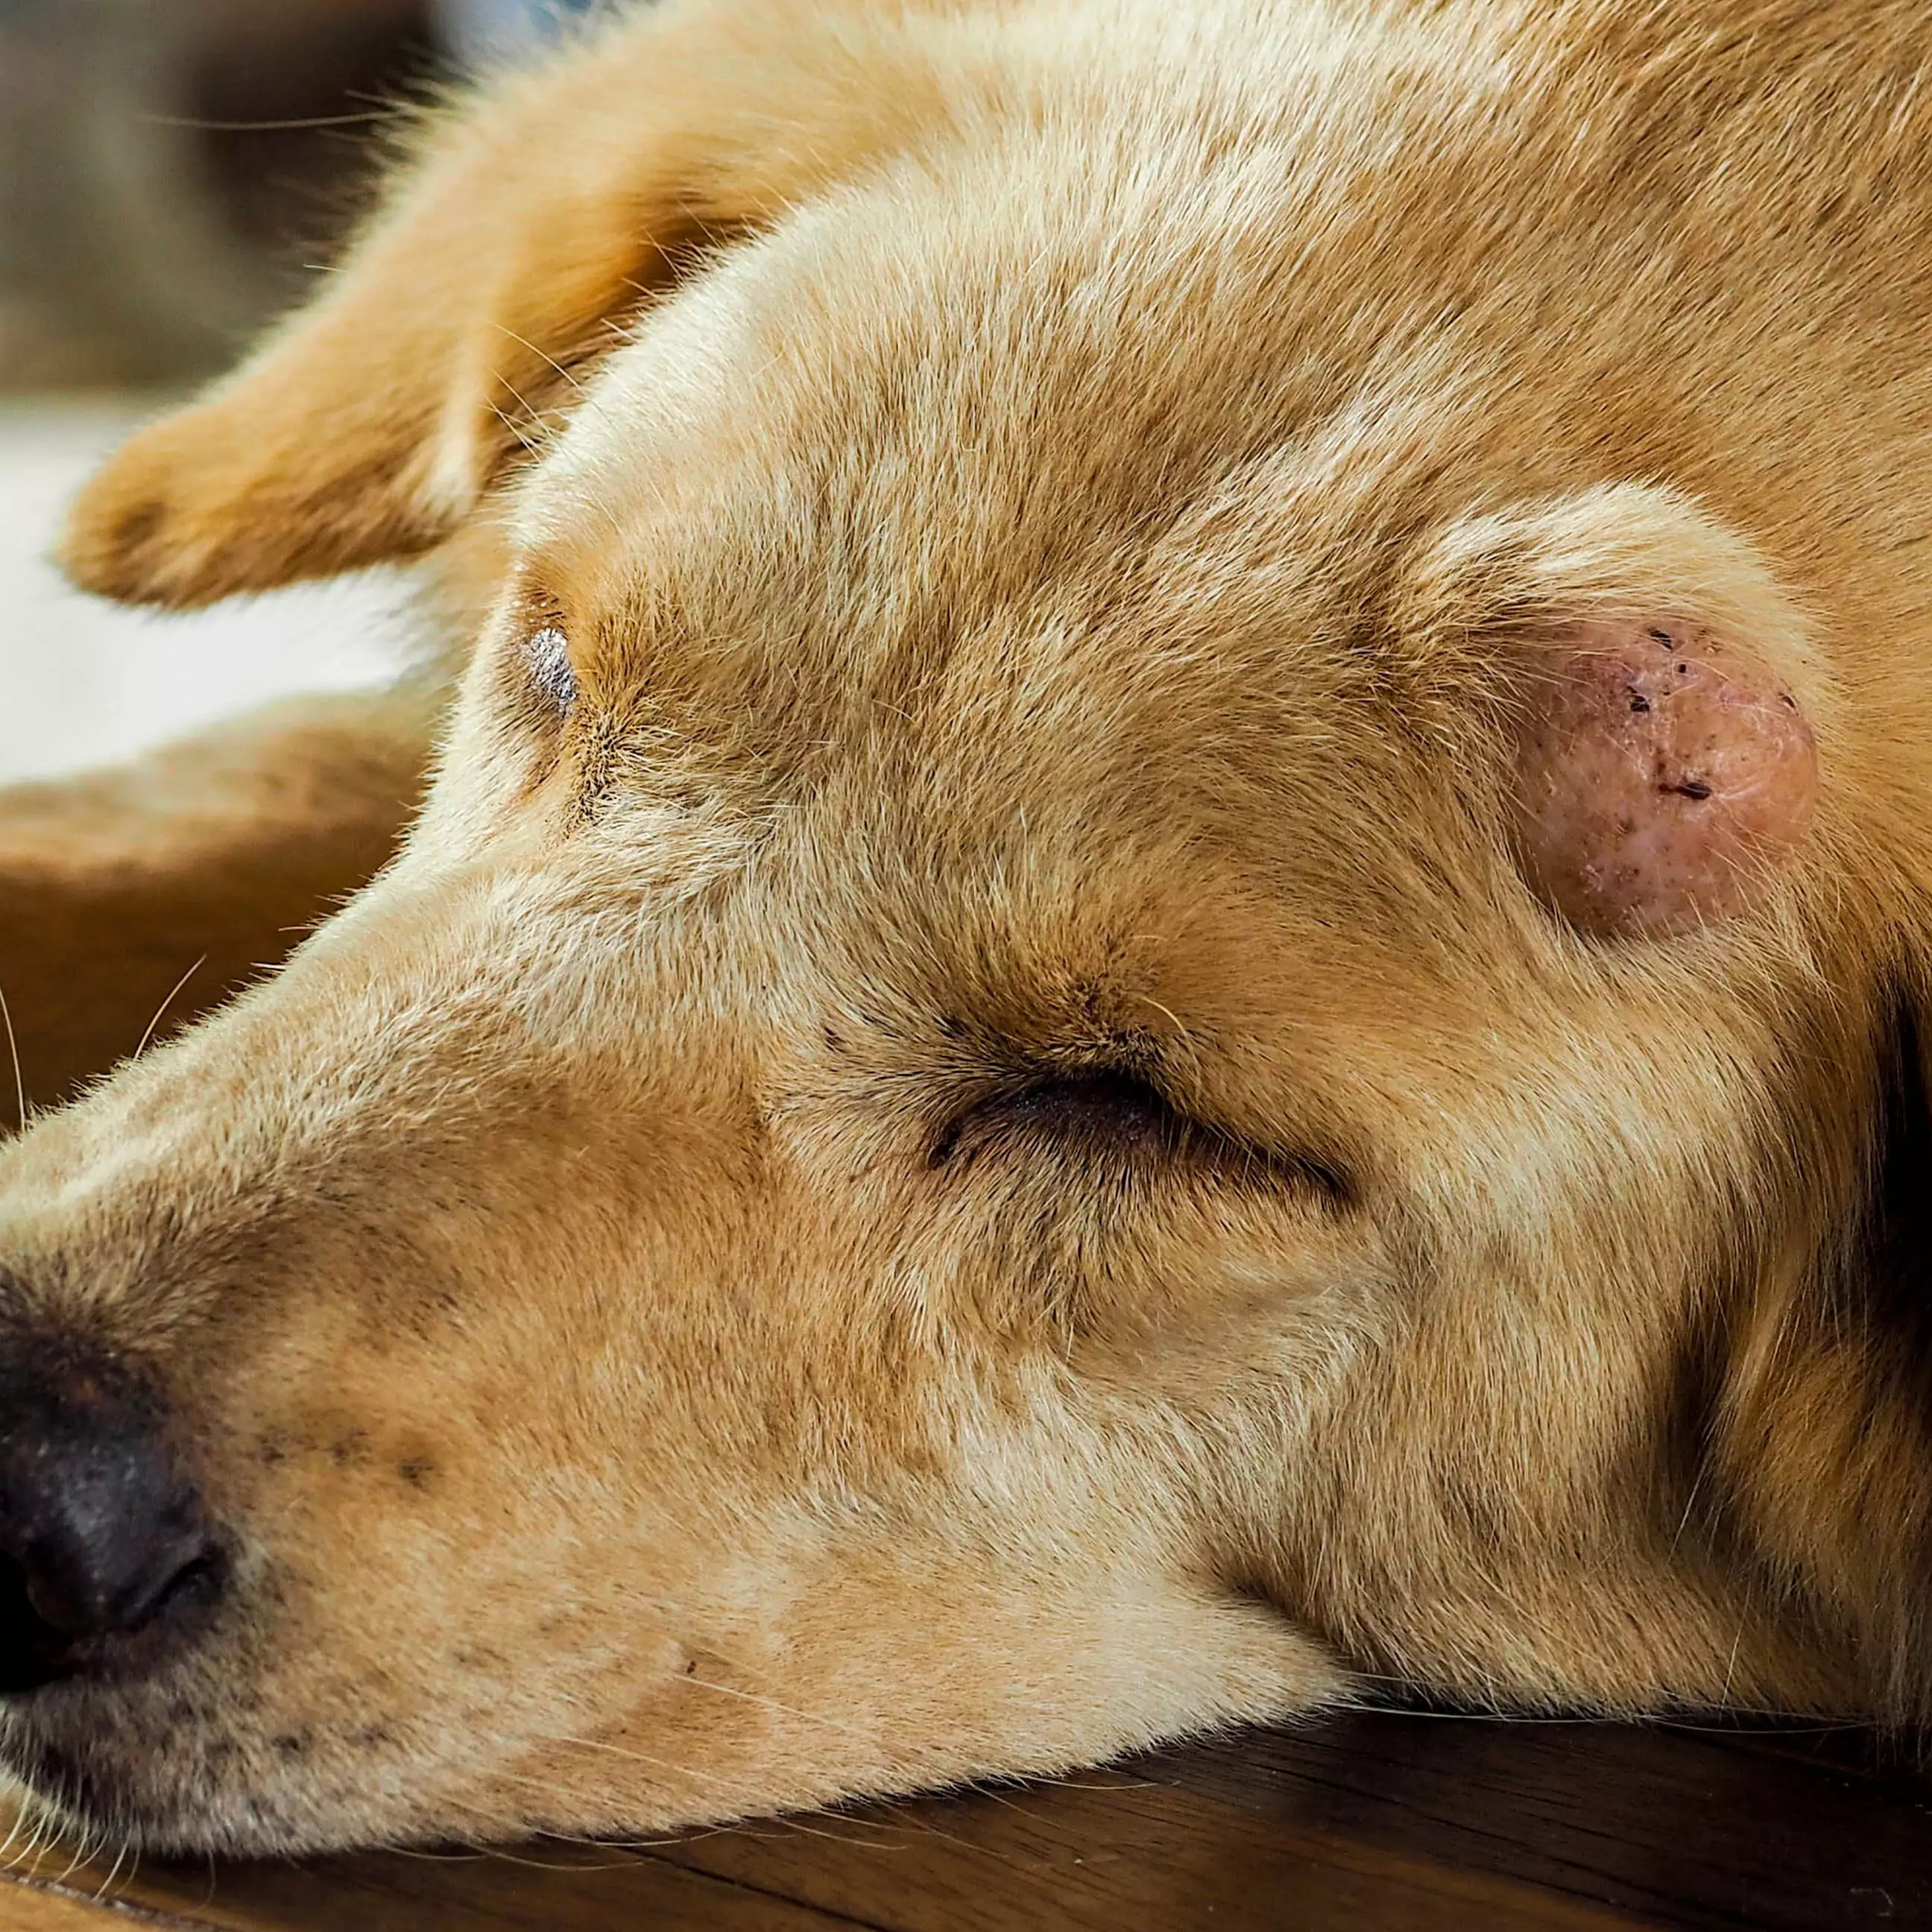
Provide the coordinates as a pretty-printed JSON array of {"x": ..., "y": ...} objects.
[
  {"x": 1104, "y": 1108},
  {"x": 1116, "y": 1114}
]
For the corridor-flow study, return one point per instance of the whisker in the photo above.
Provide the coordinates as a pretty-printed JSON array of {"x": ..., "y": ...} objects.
[
  {"x": 524, "y": 439},
  {"x": 535, "y": 415},
  {"x": 167, "y": 1003},
  {"x": 660, "y": 1763},
  {"x": 80, "y": 1850},
  {"x": 38, "y": 1816},
  {"x": 796, "y": 1824},
  {"x": 114, "y": 1873},
  {"x": 777, "y": 1704},
  {"x": 22, "y": 1806},
  {"x": 526, "y": 1829},
  {"x": 503, "y": 328},
  {"x": 506, "y": 1828},
  {"x": 14, "y": 1051},
  {"x": 196, "y": 123},
  {"x": 497, "y": 1854}
]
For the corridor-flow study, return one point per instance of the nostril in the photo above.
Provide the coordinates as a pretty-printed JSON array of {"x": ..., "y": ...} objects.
[
  {"x": 31, "y": 1651},
  {"x": 34, "y": 1651},
  {"x": 103, "y": 1542},
  {"x": 99, "y": 1557}
]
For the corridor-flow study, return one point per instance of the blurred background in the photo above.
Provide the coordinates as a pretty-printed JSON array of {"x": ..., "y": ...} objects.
[{"x": 172, "y": 174}]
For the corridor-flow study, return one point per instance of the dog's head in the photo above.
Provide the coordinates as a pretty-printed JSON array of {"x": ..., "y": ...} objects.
[{"x": 1151, "y": 967}]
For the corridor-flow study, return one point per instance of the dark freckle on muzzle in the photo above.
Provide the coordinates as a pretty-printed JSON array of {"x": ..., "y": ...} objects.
[{"x": 108, "y": 1562}]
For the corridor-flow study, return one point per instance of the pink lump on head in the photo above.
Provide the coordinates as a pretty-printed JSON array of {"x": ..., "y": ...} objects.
[{"x": 1665, "y": 773}]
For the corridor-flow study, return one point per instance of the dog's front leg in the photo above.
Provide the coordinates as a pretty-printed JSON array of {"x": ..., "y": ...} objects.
[{"x": 133, "y": 898}]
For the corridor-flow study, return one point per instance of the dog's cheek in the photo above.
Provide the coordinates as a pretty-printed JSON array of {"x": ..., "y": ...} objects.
[{"x": 1666, "y": 773}]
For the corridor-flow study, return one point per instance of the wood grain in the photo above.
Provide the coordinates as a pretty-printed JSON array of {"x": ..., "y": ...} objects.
[
  {"x": 33, "y": 1908},
  {"x": 1375, "y": 1819}
]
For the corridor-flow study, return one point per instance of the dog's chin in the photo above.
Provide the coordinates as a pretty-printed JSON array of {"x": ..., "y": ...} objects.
[
  {"x": 202, "y": 1760},
  {"x": 105, "y": 1777}
]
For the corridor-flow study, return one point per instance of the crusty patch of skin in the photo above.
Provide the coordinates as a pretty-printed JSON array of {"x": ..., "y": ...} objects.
[
  {"x": 968, "y": 1145},
  {"x": 1665, "y": 771}
]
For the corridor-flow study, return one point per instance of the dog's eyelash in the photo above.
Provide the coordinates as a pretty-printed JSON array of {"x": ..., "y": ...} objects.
[
  {"x": 1119, "y": 1109},
  {"x": 1113, "y": 1112},
  {"x": 547, "y": 653}
]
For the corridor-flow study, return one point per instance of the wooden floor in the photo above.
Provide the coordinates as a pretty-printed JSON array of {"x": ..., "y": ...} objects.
[{"x": 1375, "y": 1819}]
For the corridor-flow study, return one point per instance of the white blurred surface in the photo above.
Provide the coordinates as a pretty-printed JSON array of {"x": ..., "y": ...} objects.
[{"x": 82, "y": 682}]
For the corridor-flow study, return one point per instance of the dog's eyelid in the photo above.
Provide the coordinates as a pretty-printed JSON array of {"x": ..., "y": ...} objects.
[
  {"x": 1055, "y": 1099},
  {"x": 1126, "y": 1105}
]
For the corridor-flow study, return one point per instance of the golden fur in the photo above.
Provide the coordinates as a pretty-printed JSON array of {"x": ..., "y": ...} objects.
[{"x": 980, "y": 1153}]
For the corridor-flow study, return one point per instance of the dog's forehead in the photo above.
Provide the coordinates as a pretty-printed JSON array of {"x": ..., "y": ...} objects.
[
  {"x": 995, "y": 309},
  {"x": 827, "y": 497},
  {"x": 908, "y": 376},
  {"x": 650, "y": 405}
]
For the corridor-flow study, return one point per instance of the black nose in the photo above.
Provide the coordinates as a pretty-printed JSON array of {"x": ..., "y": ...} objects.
[{"x": 105, "y": 1552}]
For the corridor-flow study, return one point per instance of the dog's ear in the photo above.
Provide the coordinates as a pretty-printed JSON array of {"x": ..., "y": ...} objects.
[
  {"x": 1659, "y": 699},
  {"x": 539, "y": 219}
]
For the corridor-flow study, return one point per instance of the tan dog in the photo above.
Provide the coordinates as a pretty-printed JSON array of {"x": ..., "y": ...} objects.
[{"x": 1168, "y": 951}]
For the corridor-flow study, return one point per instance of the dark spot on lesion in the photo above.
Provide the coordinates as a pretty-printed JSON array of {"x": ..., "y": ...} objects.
[
  {"x": 1662, "y": 636},
  {"x": 419, "y": 1471},
  {"x": 290, "y": 1744},
  {"x": 349, "y": 1449},
  {"x": 367, "y": 1736},
  {"x": 1638, "y": 702},
  {"x": 1690, "y": 788}
]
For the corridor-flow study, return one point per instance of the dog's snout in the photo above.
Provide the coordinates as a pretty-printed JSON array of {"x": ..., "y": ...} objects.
[{"x": 104, "y": 1544}]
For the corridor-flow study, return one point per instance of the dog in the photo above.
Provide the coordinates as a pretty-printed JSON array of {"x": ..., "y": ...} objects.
[{"x": 1167, "y": 953}]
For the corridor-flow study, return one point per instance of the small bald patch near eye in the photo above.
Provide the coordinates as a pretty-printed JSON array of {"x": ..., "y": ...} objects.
[
  {"x": 1666, "y": 772},
  {"x": 548, "y": 654}
]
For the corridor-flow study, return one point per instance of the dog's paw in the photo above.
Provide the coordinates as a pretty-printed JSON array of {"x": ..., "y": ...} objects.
[
  {"x": 132, "y": 534},
  {"x": 229, "y": 496}
]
